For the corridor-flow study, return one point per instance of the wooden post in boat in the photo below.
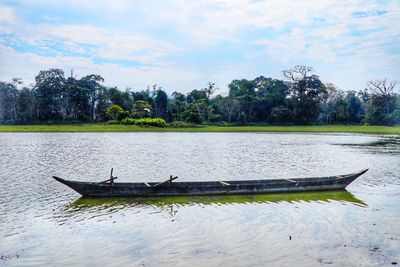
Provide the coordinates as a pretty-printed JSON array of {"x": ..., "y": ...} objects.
[{"x": 111, "y": 176}]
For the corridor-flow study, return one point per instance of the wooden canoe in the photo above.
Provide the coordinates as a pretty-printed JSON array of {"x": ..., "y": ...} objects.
[{"x": 170, "y": 188}]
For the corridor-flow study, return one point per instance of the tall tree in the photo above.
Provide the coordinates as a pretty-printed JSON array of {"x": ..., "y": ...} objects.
[
  {"x": 384, "y": 89},
  {"x": 48, "y": 90},
  {"x": 179, "y": 102},
  {"x": 210, "y": 89},
  {"x": 355, "y": 110},
  {"x": 244, "y": 92},
  {"x": 78, "y": 99},
  {"x": 306, "y": 93},
  {"x": 92, "y": 82},
  {"x": 381, "y": 109},
  {"x": 160, "y": 100},
  {"x": 229, "y": 108},
  {"x": 8, "y": 101},
  {"x": 270, "y": 94},
  {"x": 25, "y": 105}
]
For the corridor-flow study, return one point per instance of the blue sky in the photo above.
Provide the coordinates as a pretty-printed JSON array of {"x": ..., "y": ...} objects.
[{"x": 182, "y": 45}]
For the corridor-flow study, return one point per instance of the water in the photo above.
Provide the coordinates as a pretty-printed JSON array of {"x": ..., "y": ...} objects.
[{"x": 43, "y": 222}]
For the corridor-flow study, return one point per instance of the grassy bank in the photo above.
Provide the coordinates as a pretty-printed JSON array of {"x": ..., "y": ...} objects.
[{"x": 99, "y": 127}]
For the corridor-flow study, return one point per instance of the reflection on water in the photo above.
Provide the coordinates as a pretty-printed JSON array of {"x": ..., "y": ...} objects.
[
  {"x": 125, "y": 202},
  {"x": 44, "y": 223},
  {"x": 85, "y": 206}
]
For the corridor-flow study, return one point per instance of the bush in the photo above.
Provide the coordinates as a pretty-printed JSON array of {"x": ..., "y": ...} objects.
[
  {"x": 155, "y": 122},
  {"x": 128, "y": 121}
]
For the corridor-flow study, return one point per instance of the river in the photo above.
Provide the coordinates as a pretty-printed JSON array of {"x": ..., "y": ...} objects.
[{"x": 42, "y": 222}]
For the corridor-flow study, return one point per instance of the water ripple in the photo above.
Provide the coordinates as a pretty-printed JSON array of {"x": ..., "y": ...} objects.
[{"x": 337, "y": 228}]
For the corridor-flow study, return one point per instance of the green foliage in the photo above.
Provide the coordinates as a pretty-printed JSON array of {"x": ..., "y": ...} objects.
[
  {"x": 341, "y": 106},
  {"x": 155, "y": 122},
  {"x": 128, "y": 121},
  {"x": 193, "y": 113},
  {"x": 299, "y": 99},
  {"x": 215, "y": 118},
  {"x": 141, "y": 109},
  {"x": 281, "y": 114},
  {"x": 122, "y": 115},
  {"x": 396, "y": 116},
  {"x": 306, "y": 96},
  {"x": 8, "y": 101},
  {"x": 196, "y": 95},
  {"x": 160, "y": 103},
  {"x": 114, "y": 111},
  {"x": 377, "y": 110},
  {"x": 243, "y": 91},
  {"x": 120, "y": 98}
]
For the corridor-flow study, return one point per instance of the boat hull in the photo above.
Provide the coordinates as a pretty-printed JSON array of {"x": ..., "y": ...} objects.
[{"x": 90, "y": 189}]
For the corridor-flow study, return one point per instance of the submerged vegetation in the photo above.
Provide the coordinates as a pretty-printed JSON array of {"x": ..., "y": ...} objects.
[{"x": 300, "y": 98}]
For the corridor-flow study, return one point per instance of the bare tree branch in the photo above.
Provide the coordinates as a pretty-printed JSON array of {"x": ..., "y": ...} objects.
[
  {"x": 382, "y": 87},
  {"x": 298, "y": 72}
]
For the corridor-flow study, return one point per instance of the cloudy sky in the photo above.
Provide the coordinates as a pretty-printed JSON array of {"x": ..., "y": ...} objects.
[{"x": 181, "y": 45}]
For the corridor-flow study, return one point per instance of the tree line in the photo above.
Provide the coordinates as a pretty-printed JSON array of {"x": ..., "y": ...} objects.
[{"x": 300, "y": 97}]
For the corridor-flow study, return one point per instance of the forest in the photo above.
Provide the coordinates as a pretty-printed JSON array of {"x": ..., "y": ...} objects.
[{"x": 300, "y": 97}]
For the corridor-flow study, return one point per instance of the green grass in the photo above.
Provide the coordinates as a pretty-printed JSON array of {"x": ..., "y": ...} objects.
[{"x": 100, "y": 127}]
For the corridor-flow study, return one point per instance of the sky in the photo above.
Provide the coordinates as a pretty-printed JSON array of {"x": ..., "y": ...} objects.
[{"x": 181, "y": 45}]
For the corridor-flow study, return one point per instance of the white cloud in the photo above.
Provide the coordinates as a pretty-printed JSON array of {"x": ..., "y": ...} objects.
[
  {"x": 341, "y": 37},
  {"x": 306, "y": 31},
  {"x": 7, "y": 18},
  {"x": 6, "y": 14},
  {"x": 101, "y": 43},
  {"x": 210, "y": 21},
  {"x": 27, "y": 65}
]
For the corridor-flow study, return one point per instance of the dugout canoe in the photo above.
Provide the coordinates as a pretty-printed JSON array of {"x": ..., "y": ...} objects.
[{"x": 109, "y": 188}]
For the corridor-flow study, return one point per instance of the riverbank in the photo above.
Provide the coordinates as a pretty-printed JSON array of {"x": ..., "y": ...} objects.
[{"x": 100, "y": 127}]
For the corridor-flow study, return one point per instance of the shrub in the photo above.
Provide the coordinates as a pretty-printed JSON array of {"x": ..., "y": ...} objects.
[
  {"x": 128, "y": 121},
  {"x": 155, "y": 122}
]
